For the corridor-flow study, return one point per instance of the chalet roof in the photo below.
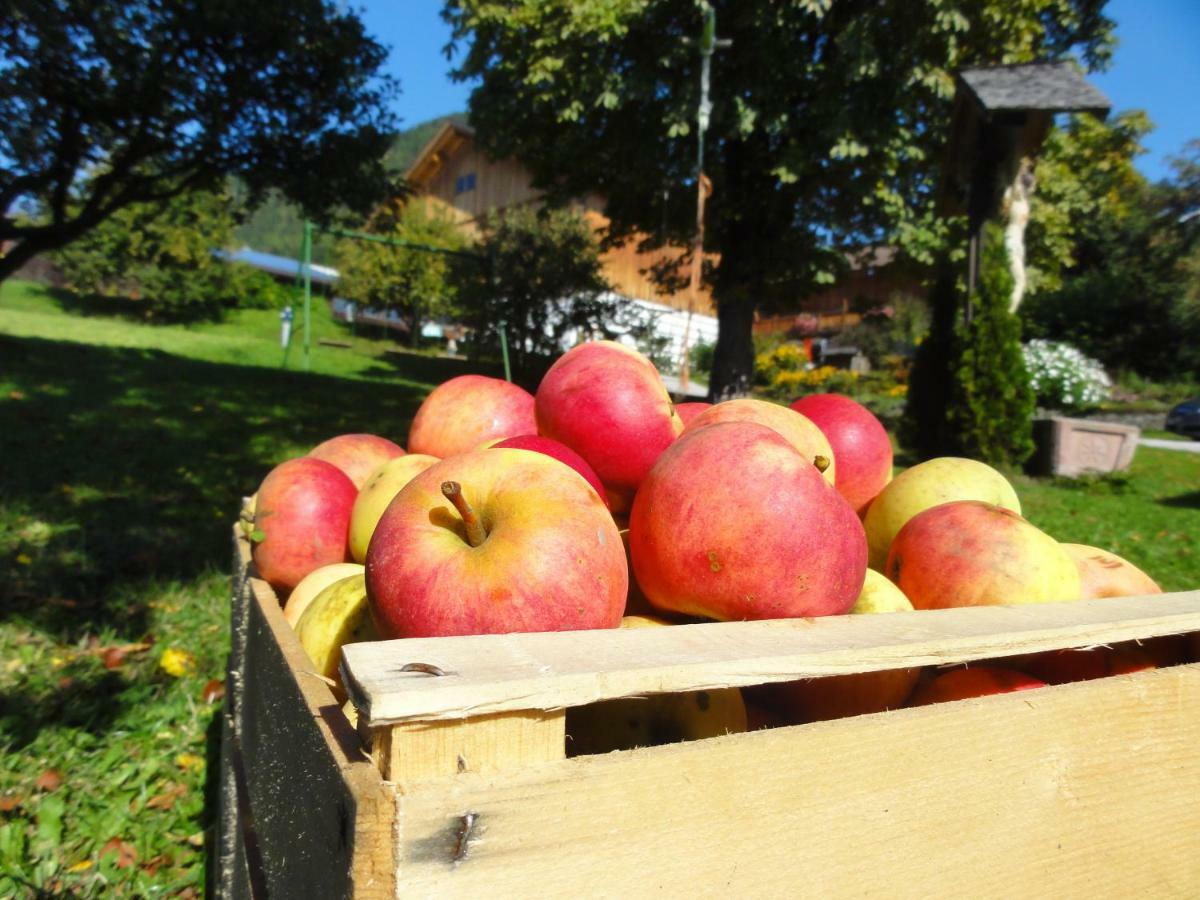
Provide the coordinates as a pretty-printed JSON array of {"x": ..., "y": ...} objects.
[
  {"x": 444, "y": 142},
  {"x": 1044, "y": 87}
]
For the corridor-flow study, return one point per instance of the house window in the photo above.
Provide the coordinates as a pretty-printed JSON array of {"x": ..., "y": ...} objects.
[{"x": 464, "y": 183}]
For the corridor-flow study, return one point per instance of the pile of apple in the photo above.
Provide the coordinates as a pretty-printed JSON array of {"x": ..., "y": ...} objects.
[{"x": 599, "y": 498}]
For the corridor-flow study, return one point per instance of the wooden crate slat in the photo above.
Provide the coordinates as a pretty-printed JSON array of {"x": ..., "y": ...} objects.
[
  {"x": 500, "y": 673},
  {"x": 323, "y": 817},
  {"x": 1082, "y": 790}
]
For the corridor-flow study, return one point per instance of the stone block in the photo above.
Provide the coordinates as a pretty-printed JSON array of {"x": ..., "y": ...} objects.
[{"x": 1082, "y": 446}]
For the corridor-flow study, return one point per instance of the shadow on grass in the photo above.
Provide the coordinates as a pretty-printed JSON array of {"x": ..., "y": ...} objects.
[
  {"x": 1190, "y": 500},
  {"x": 122, "y": 467}
]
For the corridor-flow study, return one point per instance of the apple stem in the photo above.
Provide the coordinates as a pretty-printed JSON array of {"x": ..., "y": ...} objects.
[
  {"x": 821, "y": 462},
  {"x": 475, "y": 533}
]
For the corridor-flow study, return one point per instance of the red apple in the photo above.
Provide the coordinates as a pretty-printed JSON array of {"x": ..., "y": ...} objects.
[
  {"x": 689, "y": 411},
  {"x": 1105, "y": 574},
  {"x": 608, "y": 404},
  {"x": 978, "y": 681},
  {"x": 301, "y": 520},
  {"x": 970, "y": 553},
  {"x": 860, "y": 444},
  {"x": 492, "y": 542},
  {"x": 1063, "y": 666},
  {"x": 733, "y": 523},
  {"x": 801, "y": 433},
  {"x": 358, "y": 455},
  {"x": 556, "y": 450},
  {"x": 462, "y": 413}
]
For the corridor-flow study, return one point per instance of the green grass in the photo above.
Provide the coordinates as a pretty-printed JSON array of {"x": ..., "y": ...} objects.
[{"x": 124, "y": 452}]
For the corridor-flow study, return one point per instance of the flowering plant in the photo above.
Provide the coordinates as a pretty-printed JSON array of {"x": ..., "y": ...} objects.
[{"x": 1062, "y": 377}]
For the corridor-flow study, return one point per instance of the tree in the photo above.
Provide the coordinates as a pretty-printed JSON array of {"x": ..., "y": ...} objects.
[
  {"x": 162, "y": 256},
  {"x": 1130, "y": 295},
  {"x": 108, "y": 103},
  {"x": 542, "y": 279},
  {"x": 826, "y": 132},
  {"x": 415, "y": 283}
]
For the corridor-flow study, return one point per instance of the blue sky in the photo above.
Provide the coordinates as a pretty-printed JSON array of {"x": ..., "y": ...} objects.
[{"x": 1156, "y": 67}]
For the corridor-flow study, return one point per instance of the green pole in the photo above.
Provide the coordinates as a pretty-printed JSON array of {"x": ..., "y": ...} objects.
[
  {"x": 307, "y": 264},
  {"x": 504, "y": 349}
]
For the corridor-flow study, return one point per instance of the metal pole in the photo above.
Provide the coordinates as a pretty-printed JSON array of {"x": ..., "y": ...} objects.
[
  {"x": 306, "y": 263},
  {"x": 504, "y": 349}
]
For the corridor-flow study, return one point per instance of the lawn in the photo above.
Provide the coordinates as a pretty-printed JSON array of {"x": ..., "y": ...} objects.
[{"x": 126, "y": 449}]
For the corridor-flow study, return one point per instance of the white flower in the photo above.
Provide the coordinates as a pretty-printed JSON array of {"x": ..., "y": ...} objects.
[{"x": 1063, "y": 377}]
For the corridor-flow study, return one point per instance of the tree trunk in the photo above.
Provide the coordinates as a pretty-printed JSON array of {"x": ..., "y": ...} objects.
[
  {"x": 20, "y": 254},
  {"x": 733, "y": 358}
]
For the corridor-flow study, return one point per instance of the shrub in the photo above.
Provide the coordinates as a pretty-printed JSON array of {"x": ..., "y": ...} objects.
[{"x": 1062, "y": 377}]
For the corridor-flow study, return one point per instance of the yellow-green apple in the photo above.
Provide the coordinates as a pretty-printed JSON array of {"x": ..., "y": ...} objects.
[
  {"x": 607, "y": 403},
  {"x": 339, "y": 615},
  {"x": 301, "y": 520},
  {"x": 860, "y": 445},
  {"x": 496, "y": 541},
  {"x": 312, "y": 584},
  {"x": 358, "y": 455},
  {"x": 557, "y": 450},
  {"x": 374, "y": 497},
  {"x": 462, "y": 413},
  {"x": 691, "y": 409},
  {"x": 733, "y": 523},
  {"x": 795, "y": 428},
  {"x": 977, "y": 681},
  {"x": 928, "y": 484},
  {"x": 839, "y": 696},
  {"x": 1105, "y": 574},
  {"x": 654, "y": 720},
  {"x": 969, "y": 553}
]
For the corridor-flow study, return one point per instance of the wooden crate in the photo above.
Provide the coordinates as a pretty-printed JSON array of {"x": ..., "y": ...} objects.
[{"x": 1082, "y": 790}]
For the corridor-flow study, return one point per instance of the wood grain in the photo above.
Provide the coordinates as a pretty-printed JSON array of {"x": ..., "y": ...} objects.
[
  {"x": 504, "y": 673},
  {"x": 1084, "y": 790}
]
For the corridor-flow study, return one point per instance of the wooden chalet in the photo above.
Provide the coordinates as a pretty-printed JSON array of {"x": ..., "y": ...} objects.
[{"x": 457, "y": 178}]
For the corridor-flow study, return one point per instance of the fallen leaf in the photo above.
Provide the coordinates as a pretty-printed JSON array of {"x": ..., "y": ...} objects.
[
  {"x": 126, "y": 854},
  {"x": 166, "y": 800},
  {"x": 113, "y": 657},
  {"x": 176, "y": 662},
  {"x": 189, "y": 762},
  {"x": 14, "y": 665},
  {"x": 82, "y": 866},
  {"x": 9, "y": 802},
  {"x": 151, "y": 866},
  {"x": 65, "y": 683},
  {"x": 50, "y": 780},
  {"x": 197, "y": 839},
  {"x": 214, "y": 691},
  {"x": 23, "y": 559},
  {"x": 16, "y": 395}
]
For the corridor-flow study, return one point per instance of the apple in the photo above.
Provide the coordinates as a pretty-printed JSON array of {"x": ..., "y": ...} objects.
[
  {"x": 928, "y": 484},
  {"x": 969, "y": 553},
  {"x": 556, "y": 450},
  {"x": 839, "y": 696},
  {"x": 860, "y": 445},
  {"x": 978, "y": 681},
  {"x": 301, "y": 520},
  {"x": 630, "y": 722},
  {"x": 691, "y": 409},
  {"x": 1064, "y": 666},
  {"x": 797, "y": 430},
  {"x": 337, "y": 616},
  {"x": 460, "y": 414},
  {"x": 375, "y": 495},
  {"x": 607, "y": 402},
  {"x": 1105, "y": 574},
  {"x": 733, "y": 523},
  {"x": 312, "y": 584},
  {"x": 358, "y": 455},
  {"x": 496, "y": 541}
]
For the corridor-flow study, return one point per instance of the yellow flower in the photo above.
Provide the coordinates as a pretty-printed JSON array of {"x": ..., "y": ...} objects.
[
  {"x": 176, "y": 662},
  {"x": 899, "y": 390},
  {"x": 189, "y": 762},
  {"x": 24, "y": 560}
]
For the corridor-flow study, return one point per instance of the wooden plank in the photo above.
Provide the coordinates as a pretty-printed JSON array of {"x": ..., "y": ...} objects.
[
  {"x": 417, "y": 751},
  {"x": 499, "y": 673},
  {"x": 323, "y": 817},
  {"x": 1083, "y": 790}
]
